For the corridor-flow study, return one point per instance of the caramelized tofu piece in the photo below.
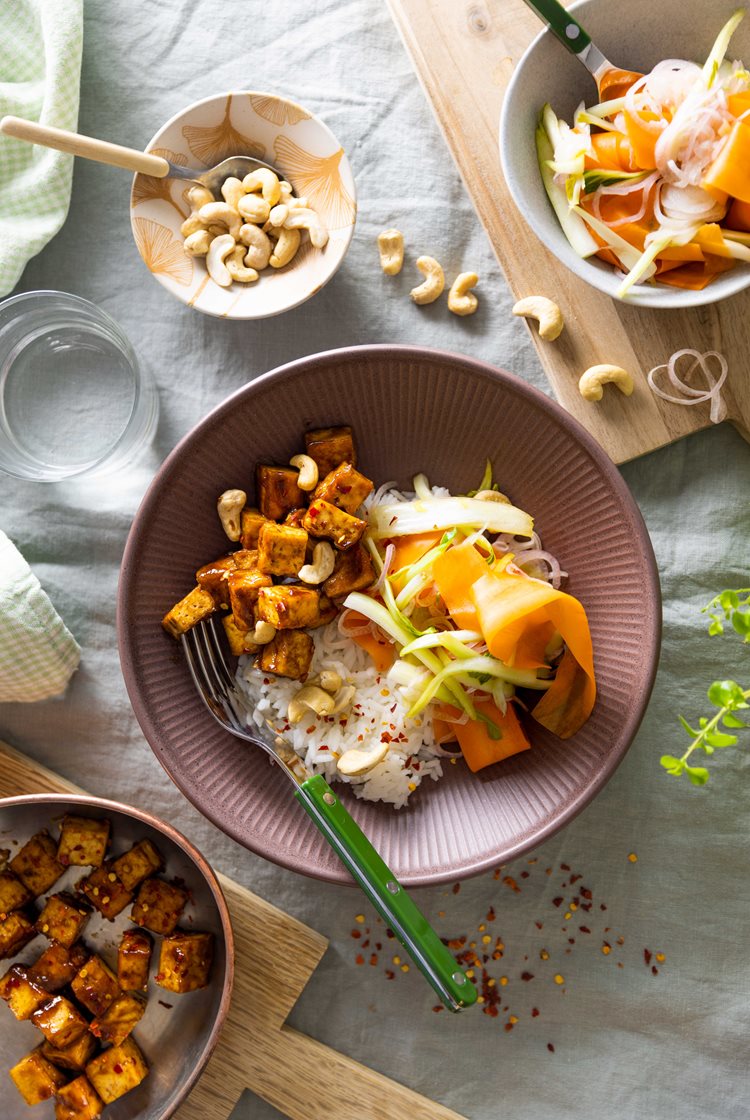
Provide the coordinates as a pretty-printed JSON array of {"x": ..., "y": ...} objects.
[
  {"x": 37, "y": 1079},
  {"x": 78, "y": 1100},
  {"x": 197, "y": 605},
  {"x": 37, "y": 865},
  {"x": 95, "y": 985},
  {"x": 83, "y": 841},
  {"x": 185, "y": 961},
  {"x": 344, "y": 488},
  {"x": 240, "y": 641},
  {"x": 213, "y": 578},
  {"x": 57, "y": 966},
  {"x": 117, "y": 1070},
  {"x": 104, "y": 891},
  {"x": 22, "y": 996},
  {"x": 141, "y": 861},
  {"x": 159, "y": 906},
  {"x": 289, "y": 654},
  {"x": 63, "y": 918},
  {"x": 281, "y": 549},
  {"x": 16, "y": 930},
  {"x": 288, "y": 608},
  {"x": 13, "y": 893},
  {"x": 250, "y": 523},
  {"x": 244, "y": 587},
  {"x": 245, "y": 558},
  {"x": 353, "y": 571},
  {"x": 324, "y": 520},
  {"x": 278, "y": 492},
  {"x": 74, "y": 1056},
  {"x": 329, "y": 447},
  {"x": 122, "y": 1015},
  {"x": 327, "y": 611},
  {"x": 60, "y": 1022},
  {"x": 134, "y": 960}
]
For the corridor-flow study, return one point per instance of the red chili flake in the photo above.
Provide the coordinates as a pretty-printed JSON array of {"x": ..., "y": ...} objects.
[
  {"x": 389, "y": 975},
  {"x": 373, "y": 959},
  {"x": 534, "y": 1012},
  {"x": 456, "y": 888},
  {"x": 539, "y": 925},
  {"x": 602, "y": 906},
  {"x": 490, "y": 917},
  {"x": 587, "y": 907},
  {"x": 655, "y": 970},
  {"x": 557, "y": 902},
  {"x": 575, "y": 879},
  {"x": 385, "y": 737},
  {"x": 366, "y": 942},
  {"x": 438, "y": 1007},
  {"x": 647, "y": 954},
  {"x": 389, "y": 933},
  {"x": 524, "y": 874},
  {"x": 527, "y": 976},
  {"x": 586, "y": 893},
  {"x": 310, "y": 729},
  {"x": 393, "y": 709},
  {"x": 416, "y": 767},
  {"x": 359, "y": 959},
  {"x": 117, "y": 1068},
  {"x": 584, "y": 929},
  {"x": 456, "y": 943},
  {"x": 314, "y": 511},
  {"x": 356, "y": 933},
  {"x": 378, "y": 946},
  {"x": 564, "y": 867},
  {"x": 550, "y": 1047},
  {"x": 508, "y": 1026},
  {"x": 394, "y": 518},
  {"x": 571, "y": 941},
  {"x": 511, "y": 882}
]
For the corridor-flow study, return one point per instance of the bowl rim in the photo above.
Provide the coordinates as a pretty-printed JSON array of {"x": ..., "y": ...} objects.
[
  {"x": 307, "y": 366},
  {"x": 660, "y": 297},
  {"x": 210, "y": 877},
  {"x": 348, "y": 231}
]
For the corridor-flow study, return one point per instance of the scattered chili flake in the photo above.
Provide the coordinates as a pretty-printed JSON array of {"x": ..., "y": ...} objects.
[
  {"x": 511, "y": 882},
  {"x": 117, "y": 1068},
  {"x": 557, "y": 902},
  {"x": 373, "y": 959},
  {"x": 647, "y": 956},
  {"x": 491, "y": 914},
  {"x": 586, "y": 893},
  {"x": 524, "y": 874},
  {"x": 564, "y": 867},
  {"x": 550, "y": 1047},
  {"x": 456, "y": 888},
  {"x": 544, "y": 954},
  {"x": 356, "y": 933},
  {"x": 527, "y": 976},
  {"x": 438, "y": 1007},
  {"x": 539, "y": 925},
  {"x": 534, "y": 1012},
  {"x": 389, "y": 975},
  {"x": 359, "y": 959}
]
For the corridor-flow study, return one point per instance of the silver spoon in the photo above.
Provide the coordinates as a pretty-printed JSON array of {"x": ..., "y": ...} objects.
[{"x": 129, "y": 158}]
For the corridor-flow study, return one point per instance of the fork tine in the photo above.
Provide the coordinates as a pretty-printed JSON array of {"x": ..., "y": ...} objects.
[{"x": 216, "y": 655}]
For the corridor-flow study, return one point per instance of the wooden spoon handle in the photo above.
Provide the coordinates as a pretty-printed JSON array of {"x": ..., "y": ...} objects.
[{"x": 86, "y": 146}]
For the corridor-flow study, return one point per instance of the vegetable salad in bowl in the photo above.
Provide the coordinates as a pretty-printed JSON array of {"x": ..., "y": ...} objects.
[{"x": 656, "y": 181}]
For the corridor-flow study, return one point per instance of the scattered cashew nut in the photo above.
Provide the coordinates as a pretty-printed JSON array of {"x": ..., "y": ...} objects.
[
  {"x": 232, "y": 191},
  {"x": 547, "y": 313},
  {"x": 192, "y": 225},
  {"x": 592, "y": 382},
  {"x": 199, "y": 196},
  {"x": 331, "y": 681},
  {"x": 266, "y": 181},
  {"x": 359, "y": 760},
  {"x": 310, "y": 698},
  {"x": 391, "y": 249},
  {"x": 307, "y": 479},
  {"x": 344, "y": 699},
  {"x": 460, "y": 300},
  {"x": 236, "y": 265},
  {"x": 229, "y": 506},
  {"x": 259, "y": 247},
  {"x": 223, "y": 214},
  {"x": 493, "y": 496},
  {"x": 197, "y": 244},
  {"x": 286, "y": 247},
  {"x": 218, "y": 251},
  {"x": 263, "y": 633},
  {"x": 303, "y": 218},
  {"x": 322, "y": 565},
  {"x": 434, "y": 281},
  {"x": 279, "y": 214}
]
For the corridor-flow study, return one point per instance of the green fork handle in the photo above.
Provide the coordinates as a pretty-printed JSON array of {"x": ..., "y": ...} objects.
[
  {"x": 562, "y": 24},
  {"x": 384, "y": 891}
]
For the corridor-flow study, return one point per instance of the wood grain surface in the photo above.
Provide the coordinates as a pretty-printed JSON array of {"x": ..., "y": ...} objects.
[
  {"x": 275, "y": 957},
  {"x": 464, "y": 54}
]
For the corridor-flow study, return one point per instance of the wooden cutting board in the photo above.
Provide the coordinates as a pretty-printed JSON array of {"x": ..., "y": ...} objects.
[
  {"x": 275, "y": 957},
  {"x": 464, "y": 53}
]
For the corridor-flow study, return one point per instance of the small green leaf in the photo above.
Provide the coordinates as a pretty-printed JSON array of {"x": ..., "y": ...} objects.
[
  {"x": 726, "y": 694},
  {"x": 728, "y": 600},
  {"x": 698, "y": 775},
  {"x": 671, "y": 764},
  {"x": 718, "y": 739},
  {"x": 715, "y": 627},
  {"x": 741, "y": 624},
  {"x": 691, "y": 731},
  {"x": 732, "y": 721}
]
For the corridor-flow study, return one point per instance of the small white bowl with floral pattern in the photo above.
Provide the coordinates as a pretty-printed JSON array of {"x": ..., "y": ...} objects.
[{"x": 277, "y": 131}]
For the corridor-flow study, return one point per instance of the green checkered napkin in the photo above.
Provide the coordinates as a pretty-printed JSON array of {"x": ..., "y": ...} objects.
[
  {"x": 40, "y": 70},
  {"x": 38, "y": 654}
]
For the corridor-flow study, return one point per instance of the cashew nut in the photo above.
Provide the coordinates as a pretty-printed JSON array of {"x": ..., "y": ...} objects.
[
  {"x": 279, "y": 214},
  {"x": 199, "y": 196},
  {"x": 229, "y": 506},
  {"x": 218, "y": 251},
  {"x": 592, "y": 382},
  {"x": 359, "y": 760},
  {"x": 222, "y": 213},
  {"x": 493, "y": 496},
  {"x": 344, "y": 698},
  {"x": 331, "y": 681},
  {"x": 309, "y": 698},
  {"x": 307, "y": 479},
  {"x": 192, "y": 225},
  {"x": 232, "y": 191},
  {"x": 198, "y": 243},
  {"x": 266, "y": 181},
  {"x": 391, "y": 249},
  {"x": 286, "y": 191},
  {"x": 321, "y": 568},
  {"x": 303, "y": 218},
  {"x": 259, "y": 247},
  {"x": 236, "y": 266},
  {"x": 547, "y": 313},
  {"x": 460, "y": 300},
  {"x": 434, "y": 281},
  {"x": 286, "y": 247},
  {"x": 263, "y": 633},
  {"x": 253, "y": 208}
]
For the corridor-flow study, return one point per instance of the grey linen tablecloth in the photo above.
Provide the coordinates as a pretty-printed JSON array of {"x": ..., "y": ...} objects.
[{"x": 619, "y": 1031}]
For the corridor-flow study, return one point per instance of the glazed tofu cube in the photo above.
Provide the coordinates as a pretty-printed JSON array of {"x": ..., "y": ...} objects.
[
  {"x": 278, "y": 492},
  {"x": 122, "y": 1015},
  {"x": 141, "y": 861},
  {"x": 37, "y": 865},
  {"x": 324, "y": 520},
  {"x": 329, "y": 447},
  {"x": 63, "y": 918},
  {"x": 288, "y": 608},
  {"x": 37, "y": 1079},
  {"x": 185, "y": 961},
  {"x": 327, "y": 611},
  {"x": 83, "y": 841},
  {"x": 289, "y": 654},
  {"x": 95, "y": 985},
  {"x": 74, "y": 1056},
  {"x": 213, "y": 578},
  {"x": 57, "y": 966},
  {"x": 197, "y": 605},
  {"x": 60, "y": 1022},
  {"x": 244, "y": 587},
  {"x": 240, "y": 641},
  {"x": 16, "y": 930},
  {"x": 345, "y": 488},
  {"x": 250, "y": 523},
  {"x": 22, "y": 996},
  {"x": 246, "y": 557},
  {"x": 134, "y": 960},
  {"x": 353, "y": 571},
  {"x": 117, "y": 1070},
  {"x": 281, "y": 549},
  {"x": 159, "y": 905},
  {"x": 78, "y": 1100},
  {"x": 105, "y": 892},
  {"x": 13, "y": 893}
]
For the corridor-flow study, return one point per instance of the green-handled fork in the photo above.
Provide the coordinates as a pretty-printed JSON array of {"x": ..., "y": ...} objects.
[{"x": 217, "y": 688}]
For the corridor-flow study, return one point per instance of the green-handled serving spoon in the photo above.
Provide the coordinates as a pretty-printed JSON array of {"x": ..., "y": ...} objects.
[{"x": 217, "y": 687}]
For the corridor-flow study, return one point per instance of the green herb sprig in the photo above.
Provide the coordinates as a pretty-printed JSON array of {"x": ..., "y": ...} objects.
[{"x": 728, "y": 697}]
